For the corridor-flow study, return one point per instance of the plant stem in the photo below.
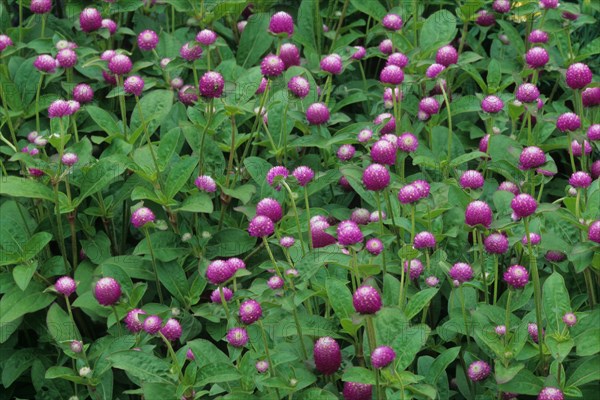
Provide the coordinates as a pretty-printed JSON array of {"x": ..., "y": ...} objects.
[
  {"x": 37, "y": 103},
  {"x": 158, "y": 288},
  {"x": 449, "y": 130},
  {"x": 293, "y": 202},
  {"x": 464, "y": 313},
  {"x": 173, "y": 356},
  {"x": 117, "y": 320},
  {"x": 122, "y": 105},
  {"x": 307, "y": 205},
  {"x": 204, "y": 133},
  {"x": 381, "y": 230},
  {"x": 224, "y": 302},
  {"x": 277, "y": 270},
  {"x": 496, "y": 277},
  {"x": 537, "y": 289}
]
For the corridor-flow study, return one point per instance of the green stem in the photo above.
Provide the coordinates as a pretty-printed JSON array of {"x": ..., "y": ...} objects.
[
  {"x": 307, "y": 205},
  {"x": 277, "y": 270},
  {"x": 293, "y": 202},
  {"x": 508, "y": 311},
  {"x": 372, "y": 345},
  {"x": 464, "y": 313},
  {"x": 479, "y": 239},
  {"x": 496, "y": 277},
  {"x": 381, "y": 230},
  {"x": 204, "y": 133},
  {"x": 158, "y": 288},
  {"x": 299, "y": 331},
  {"x": 61, "y": 234},
  {"x": 37, "y": 103},
  {"x": 122, "y": 105},
  {"x": 449, "y": 130},
  {"x": 537, "y": 289},
  {"x": 173, "y": 356},
  {"x": 224, "y": 302},
  {"x": 117, "y": 320}
]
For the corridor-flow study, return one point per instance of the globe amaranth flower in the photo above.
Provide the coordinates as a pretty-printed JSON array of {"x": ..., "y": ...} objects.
[
  {"x": 215, "y": 295},
  {"x": 501, "y": 6},
  {"x": 40, "y": 6},
  {"x": 280, "y": 23},
  {"x": 569, "y": 319},
  {"x": 275, "y": 282},
  {"x": 391, "y": 75},
  {"x": 261, "y": 366},
  {"x": 345, "y": 152},
  {"x": 382, "y": 356},
  {"x": 317, "y": 114},
  {"x": 409, "y": 194},
  {"x": 147, "y": 40},
  {"x": 250, "y": 311},
  {"x": 69, "y": 159},
  {"x": 107, "y": 291},
  {"x": 303, "y": 175},
  {"x": 211, "y": 84},
  {"x": 580, "y": 180},
  {"x": 171, "y": 330},
  {"x": 594, "y": 231},
  {"x": 397, "y": 59},
  {"x": 90, "y": 19},
  {"x": 58, "y": 109},
  {"x": 550, "y": 393},
  {"x": 478, "y": 371},
  {"x": 5, "y": 41},
  {"x": 349, "y": 233},
  {"x": 357, "y": 391},
  {"x": 388, "y": 96},
  {"x": 237, "y": 337},
  {"x": 66, "y": 58},
  {"x": 533, "y": 237},
  {"x": 142, "y": 216},
  {"x": 578, "y": 76},
  {"x": 219, "y": 272},
  {"x": 595, "y": 169},
  {"x": 531, "y": 157},
  {"x": 593, "y": 132},
  {"x": 261, "y": 226},
  {"x": 478, "y": 213},
  {"x": 190, "y": 51},
  {"x": 360, "y": 216},
  {"x": 492, "y": 104},
  {"x": 376, "y": 177},
  {"x": 152, "y": 324},
  {"x": 206, "y": 183},
  {"x": 366, "y": 300},
  {"x": 500, "y": 330},
  {"x": 484, "y": 18},
  {"x": 132, "y": 320},
  {"x": 134, "y": 85},
  {"x": 527, "y": 93},
  {"x": 83, "y": 93},
  {"x": 429, "y": 105},
  {"x": 332, "y": 64},
  {"x": 389, "y": 126},
  {"x": 275, "y": 174},
  {"x": 320, "y": 238},
  {"x": 434, "y": 70},
  {"x": 537, "y": 36},
  {"x": 446, "y": 55},
  {"x": 386, "y": 46},
  {"x": 206, "y": 37},
  {"x": 110, "y": 25},
  {"x": 45, "y": 63},
  {"x": 577, "y": 148},
  {"x": 374, "y": 246},
  {"x": 272, "y": 66},
  {"x": 289, "y": 54},
  {"x": 414, "y": 267},
  {"x": 120, "y": 64},
  {"x": 327, "y": 355},
  {"x": 384, "y": 152},
  {"x": 359, "y": 53},
  {"x": 516, "y": 276},
  {"x": 424, "y": 240},
  {"x": 187, "y": 94},
  {"x": 299, "y": 86},
  {"x": 270, "y": 208},
  {"x": 393, "y": 22},
  {"x": 364, "y": 135},
  {"x": 471, "y": 179},
  {"x": 287, "y": 241},
  {"x": 509, "y": 187},
  {"x": 547, "y": 4},
  {"x": 568, "y": 122},
  {"x": 537, "y": 57},
  {"x": 523, "y": 205},
  {"x": 496, "y": 243},
  {"x": 65, "y": 285},
  {"x": 432, "y": 281},
  {"x": 590, "y": 97},
  {"x": 461, "y": 272}
]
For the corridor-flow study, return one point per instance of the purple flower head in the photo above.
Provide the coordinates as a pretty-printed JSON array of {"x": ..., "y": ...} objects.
[
  {"x": 478, "y": 213},
  {"x": 317, "y": 114},
  {"x": 434, "y": 70},
  {"x": 134, "y": 85},
  {"x": 366, "y": 300},
  {"x": 391, "y": 75},
  {"x": 578, "y": 76},
  {"x": 390, "y": 125},
  {"x": 568, "y": 122},
  {"x": 594, "y": 231},
  {"x": 261, "y": 226},
  {"x": 65, "y": 285},
  {"x": 349, "y": 233},
  {"x": 538, "y": 36},
  {"x": 40, "y": 6},
  {"x": 577, "y": 149},
  {"x": 5, "y": 41},
  {"x": 432, "y": 281},
  {"x": 132, "y": 320},
  {"x": 590, "y": 97},
  {"x": 332, "y": 64},
  {"x": 346, "y": 152},
  {"x": 500, "y": 330},
  {"x": 58, "y": 109},
  {"x": 384, "y": 152},
  {"x": 492, "y": 104},
  {"x": 364, "y": 135},
  {"x": 205, "y": 183},
  {"x": 219, "y": 272},
  {"x": 327, "y": 355},
  {"x": 414, "y": 267},
  {"x": 190, "y": 51},
  {"x": 250, "y": 311},
  {"x": 272, "y": 66},
  {"x": 262, "y": 366},
  {"x": 501, "y": 6},
  {"x": 409, "y": 194},
  {"x": 446, "y": 55},
  {"x": 262, "y": 86},
  {"x": 299, "y": 86},
  {"x": 275, "y": 282},
  {"x": 45, "y": 63},
  {"x": 386, "y": 46},
  {"x": 142, "y": 216},
  {"x": 516, "y": 276},
  {"x": 36, "y": 173},
  {"x": 320, "y": 238},
  {"x": 90, "y": 19},
  {"x": 546, "y": 4},
  {"x": 147, "y": 40},
  {"x": 107, "y": 291},
  {"x": 496, "y": 243},
  {"x": 69, "y": 159},
  {"x": 303, "y": 175},
  {"x": 206, "y": 37},
  {"x": 461, "y": 272},
  {"x": 595, "y": 170},
  {"x": 408, "y": 142},
  {"x": 537, "y": 57},
  {"x": 533, "y": 237},
  {"x": 66, "y": 58},
  {"x": 215, "y": 295},
  {"x": 360, "y": 216},
  {"x": 509, "y": 187},
  {"x": 120, "y": 64},
  {"x": 376, "y": 177},
  {"x": 393, "y": 22},
  {"x": 289, "y": 54},
  {"x": 388, "y": 96},
  {"x": 527, "y": 93},
  {"x": 83, "y": 93},
  {"x": 236, "y": 263},
  {"x": 359, "y": 53},
  {"x": 483, "y": 143},
  {"x": 569, "y": 319},
  {"x": 281, "y": 22},
  {"x": 531, "y": 157},
  {"x": 397, "y": 59},
  {"x": 429, "y": 105},
  {"x": 287, "y": 241},
  {"x": 275, "y": 174},
  {"x": 580, "y": 179},
  {"x": 189, "y": 355},
  {"x": 171, "y": 330},
  {"x": 110, "y": 25},
  {"x": 76, "y": 346},
  {"x": 478, "y": 371},
  {"x": 152, "y": 324},
  {"x": 550, "y": 393},
  {"x": 237, "y": 337},
  {"x": 188, "y": 95},
  {"x": 211, "y": 85},
  {"x": 382, "y": 356},
  {"x": 485, "y": 18},
  {"x": 269, "y": 208},
  {"x": 241, "y": 26},
  {"x": 374, "y": 246},
  {"x": 471, "y": 179},
  {"x": 523, "y": 205},
  {"x": 593, "y": 132},
  {"x": 357, "y": 391},
  {"x": 424, "y": 240}
]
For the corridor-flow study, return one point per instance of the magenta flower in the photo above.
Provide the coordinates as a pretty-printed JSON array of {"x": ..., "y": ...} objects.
[
  {"x": 261, "y": 226},
  {"x": 237, "y": 337},
  {"x": 270, "y": 208},
  {"x": 211, "y": 85},
  {"x": 206, "y": 37},
  {"x": 281, "y": 22},
  {"x": 446, "y": 55},
  {"x": 516, "y": 276},
  {"x": 90, "y": 19},
  {"x": 147, "y": 40},
  {"x": 317, "y": 114},
  {"x": 299, "y": 86},
  {"x": 272, "y": 66},
  {"x": 107, "y": 291},
  {"x": 219, "y": 272},
  {"x": 393, "y": 22},
  {"x": 171, "y": 330},
  {"x": 327, "y": 355},
  {"x": 303, "y": 175},
  {"x": 366, "y": 300},
  {"x": 382, "y": 356},
  {"x": 478, "y": 213},
  {"x": 142, "y": 216},
  {"x": 478, "y": 371},
  {"x": 578, "y": 76},
  {"x": 65, "y": 285}
]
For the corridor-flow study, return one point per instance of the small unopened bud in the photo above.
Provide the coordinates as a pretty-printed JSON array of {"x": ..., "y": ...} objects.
[
  {"x": 293, "y": 382},
  {"x": 572, "y": 192},
  {"x": 175, "y": 311},
  {"x": 85, "y": 372},
  {"x": 186, "y": 237}
]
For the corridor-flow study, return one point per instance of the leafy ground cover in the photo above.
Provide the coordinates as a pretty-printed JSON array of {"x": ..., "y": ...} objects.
[{"x": 299, "y": 200}]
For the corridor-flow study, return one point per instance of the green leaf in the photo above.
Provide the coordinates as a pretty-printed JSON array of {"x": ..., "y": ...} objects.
[
  {"x": 243, "y": 193},
  {"x": 97, "y": 248},
  {"x": 15, "y": 364},
  {"x": 35, "y": 244},
  {"x": 439, "y": 29},
  {"x": 179, "y": 175},
  {"x": 340, "y": 297},
  {"x": 16, "y": 302},
  {"x": 372, "y": 8},
  {"x": 168, "y": 147},
  {"x": 506, "y": 374},
  {"x": 587, "y": 371},
  {"x": 588, "y": 342},
  {"x": 197, "y": 203},
  {"x": 359, "y": 375},
  {"x": 172, "y": 276},
  {"x": 312, "y": 262},
  {"x": 389, "y": 322},
  {"x": 55, "y": 372},
  {"x": 466, "y": 158},
  {"x": 441, "y": 363},
  {"x": 206, "y": 352},
  {"x": 245, "y": 86},
  {"x": 23, "y": 273},
  {"x": 556, "y": 302},
  {"x": 98, "y": 177},
  {"x": 307, "y": 23},
  {"x": 229, "y": 242},
  {"x": 167, "y": 246},
  {"x": 408, "y": 342},
  {"x": 26, "y": 80},
  {"x": 105, "y": 120},
  {"x": 152, "y": 109},
  {"x": 60, "y": 326},
  {"x": 516, "y": 39},
  {"x": 21, "y": 187},
  {"x": 142, "y": 365},
  {"x": 525, "y": 382},
  {"x": 255, "y": 40},
  {"x": 494, "y": 74},
  {"x": 419, "y": 301},
  {"x": 318, "y": 394},
  {"x": 559, "y": 347},
  {"x": 217, "y": 373}
]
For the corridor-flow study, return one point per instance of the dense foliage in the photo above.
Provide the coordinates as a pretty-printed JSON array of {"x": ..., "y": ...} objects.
[{"x": 314, "y": 199}]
